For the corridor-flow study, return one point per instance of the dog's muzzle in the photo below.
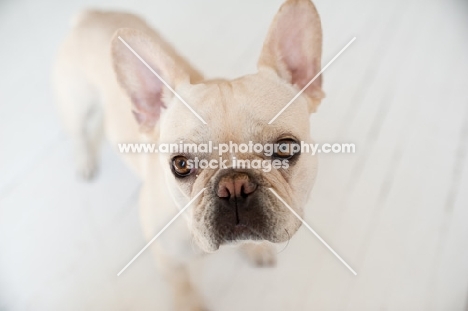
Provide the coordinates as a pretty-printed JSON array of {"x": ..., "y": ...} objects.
[{"x": 239, "y": 213}]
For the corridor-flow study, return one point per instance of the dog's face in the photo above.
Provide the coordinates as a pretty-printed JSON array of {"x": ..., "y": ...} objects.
[{"x": 237, "y": 203}]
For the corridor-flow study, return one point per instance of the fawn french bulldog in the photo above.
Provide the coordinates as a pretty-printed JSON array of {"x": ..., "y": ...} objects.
[{"x": 103, "y": 89}]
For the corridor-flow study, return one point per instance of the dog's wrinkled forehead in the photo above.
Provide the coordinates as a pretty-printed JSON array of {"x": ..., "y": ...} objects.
[{"x": 238, "y": 110}]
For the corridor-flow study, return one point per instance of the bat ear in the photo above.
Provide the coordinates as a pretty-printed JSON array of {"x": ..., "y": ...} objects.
[
  {"x": 146, "y": 91},
  {"x": 293, "y": 48}
]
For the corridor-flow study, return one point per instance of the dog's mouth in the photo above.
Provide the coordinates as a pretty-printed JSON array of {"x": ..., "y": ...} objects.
[
  {"x": 234, "y": 212},
  {"x": 261, "y": 228},
  {"x": 251, "y": 223},
  {"x": 241, "y": 232}
]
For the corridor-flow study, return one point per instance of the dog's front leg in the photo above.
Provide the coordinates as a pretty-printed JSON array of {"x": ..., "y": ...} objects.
[
  {"x": 260, "y": 254},
  {"x": 185, "y": 294},
  {"x": 173, "y": 250}
]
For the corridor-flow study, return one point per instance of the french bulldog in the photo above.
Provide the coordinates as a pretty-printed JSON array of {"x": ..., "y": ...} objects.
[{"x": 104, "y": 89}]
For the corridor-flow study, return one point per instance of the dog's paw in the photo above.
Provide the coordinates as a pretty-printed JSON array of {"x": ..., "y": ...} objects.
[
  {"x": 188, "y": 298},
  {"x": 260, "y": 254},
  {"x": 87, "y": 168},
  {"x": 190, "y": 302},
  {"x": 179, "y": 307}
]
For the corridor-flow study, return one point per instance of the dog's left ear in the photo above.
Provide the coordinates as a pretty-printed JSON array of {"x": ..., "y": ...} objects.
[{"x": 293, "y": 47}]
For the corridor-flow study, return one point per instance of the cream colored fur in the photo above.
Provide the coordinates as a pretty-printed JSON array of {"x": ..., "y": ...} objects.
[{"x": 102, "y": 88}]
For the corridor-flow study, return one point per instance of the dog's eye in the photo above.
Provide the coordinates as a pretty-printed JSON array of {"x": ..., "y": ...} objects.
[
  {"x": 286, "y": 148},
  {"x": 180, "y": 166}
]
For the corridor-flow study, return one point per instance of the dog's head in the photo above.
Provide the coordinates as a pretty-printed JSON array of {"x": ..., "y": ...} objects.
[{"x": 237, "y": 203}]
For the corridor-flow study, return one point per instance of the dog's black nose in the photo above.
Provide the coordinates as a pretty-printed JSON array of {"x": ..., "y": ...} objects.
[{"x": 235, "y": 185}]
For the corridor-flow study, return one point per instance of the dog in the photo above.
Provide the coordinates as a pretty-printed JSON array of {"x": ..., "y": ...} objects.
[{"x": 104, "y": 90}]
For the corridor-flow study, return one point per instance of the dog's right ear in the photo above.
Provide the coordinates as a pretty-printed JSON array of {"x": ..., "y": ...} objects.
[{"x": 146, "y": 91}]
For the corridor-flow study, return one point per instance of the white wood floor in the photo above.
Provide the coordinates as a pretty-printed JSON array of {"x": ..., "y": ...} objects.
[{"x": 397, "y": 210}]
